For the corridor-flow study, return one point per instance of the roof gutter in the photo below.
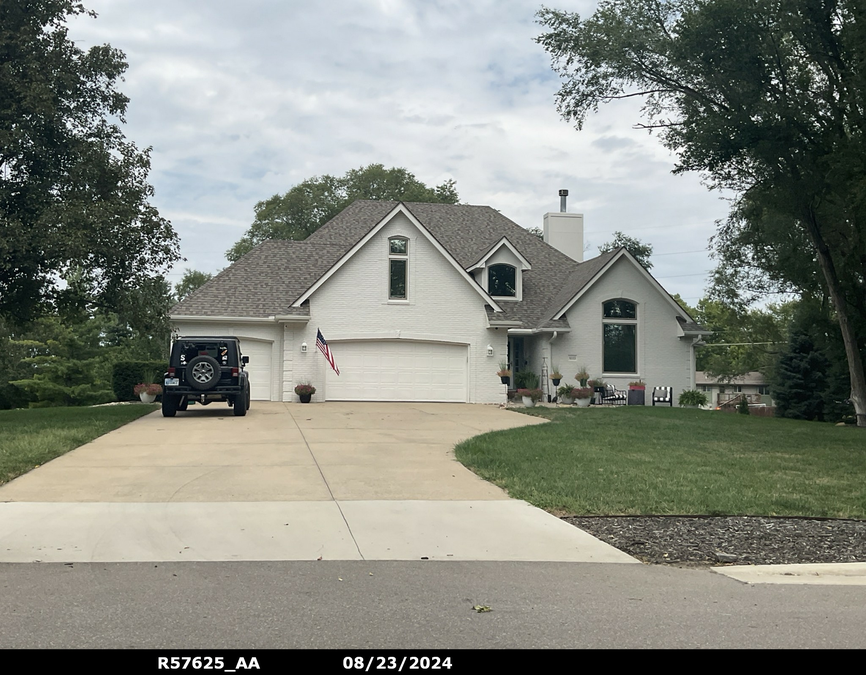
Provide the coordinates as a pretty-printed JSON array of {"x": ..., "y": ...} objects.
[{"x": 297, "y": 318}]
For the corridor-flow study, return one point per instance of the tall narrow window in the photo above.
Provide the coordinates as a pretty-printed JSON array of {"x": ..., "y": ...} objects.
[
  {"x": 398, "y": 263},
  {"x": 502, "y": 280},
  {"x": 620, "y": 336}
]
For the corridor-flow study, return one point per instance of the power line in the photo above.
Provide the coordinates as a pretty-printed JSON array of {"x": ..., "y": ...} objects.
[
  {"x": 700, "y": 250},
  {"x": 677, "y": 276}
]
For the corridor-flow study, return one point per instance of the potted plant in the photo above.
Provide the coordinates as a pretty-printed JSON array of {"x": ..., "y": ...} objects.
[
  {"x": 565, "y": 394},
  {"x": 556, "y": 376},
  {"x": 583, "y": 395},
  {"x": 582, "y": 376},
  {"x": 692, "y": 398},
  {"x": 504, "y": 372},
  {"x": 147, "y": 392},
  {"x": 636, "y": 392},
  {"x": 305, "y": 391},
  {"x": 530, "y": 396}
]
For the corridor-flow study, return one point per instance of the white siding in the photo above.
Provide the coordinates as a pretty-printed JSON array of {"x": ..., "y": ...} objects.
[
  {"x": 662, "y": 357},
  {"x": 353, "y": 305}
]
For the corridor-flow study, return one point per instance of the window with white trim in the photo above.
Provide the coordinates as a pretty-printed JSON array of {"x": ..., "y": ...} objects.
[
  {"x": 619, "y": 336},
  {"x": 398, "y": 267},
  {"x": 502, "y": 281}
]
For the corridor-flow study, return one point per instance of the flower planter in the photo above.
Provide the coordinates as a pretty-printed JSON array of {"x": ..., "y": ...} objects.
[
  {"x": 147, "y": 398},
  {"x": 305, "y": 398},
  {"x": 636, "y": 397},
  {"x": 583, "y": 402},
  {"x": 565, "y": 400},
  {"x": 556, "y": 381},
  {"x": 528, "y": 402},
  {"x": 505, "y": 379}
]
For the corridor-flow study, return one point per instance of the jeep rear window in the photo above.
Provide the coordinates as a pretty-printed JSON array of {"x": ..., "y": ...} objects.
[{"x": 216, "y": 350}]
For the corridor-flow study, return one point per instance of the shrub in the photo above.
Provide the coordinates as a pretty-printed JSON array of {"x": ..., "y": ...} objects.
[
  {"x": 583, "y": 392},
  {"x": 743, "y": 406},
  {"x": 305, "y": 388},
  {"x": 693, "y": 397},
  {"x": 526, "y": 379}
]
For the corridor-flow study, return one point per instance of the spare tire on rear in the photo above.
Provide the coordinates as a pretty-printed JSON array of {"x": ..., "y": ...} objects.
[{"x": 203, "y": 372}]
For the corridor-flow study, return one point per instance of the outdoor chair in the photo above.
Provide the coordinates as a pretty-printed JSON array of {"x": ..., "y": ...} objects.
[
  {"x": 663, "y": 396},
  {"x": 614, "y": 396}
]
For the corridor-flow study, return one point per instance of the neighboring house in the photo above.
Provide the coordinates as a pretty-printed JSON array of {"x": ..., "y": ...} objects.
[
  {"x": 753, "y": 385},
  {"x": 420, "y": 302}
]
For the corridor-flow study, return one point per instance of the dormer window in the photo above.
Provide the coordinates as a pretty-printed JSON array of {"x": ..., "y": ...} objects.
[
  {"x": 502, "y": 281},
  {"x": 398, "y": 263}
]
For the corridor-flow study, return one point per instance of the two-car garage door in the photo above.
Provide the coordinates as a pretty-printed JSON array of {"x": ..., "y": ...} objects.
[{"x": 398, "y": 370}]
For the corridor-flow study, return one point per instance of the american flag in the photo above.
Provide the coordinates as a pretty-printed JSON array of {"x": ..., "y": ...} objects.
[{"x": 323, "y": 347}]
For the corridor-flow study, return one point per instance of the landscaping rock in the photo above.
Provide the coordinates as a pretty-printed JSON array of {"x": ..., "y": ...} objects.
[{"x": 711, "y": 540}]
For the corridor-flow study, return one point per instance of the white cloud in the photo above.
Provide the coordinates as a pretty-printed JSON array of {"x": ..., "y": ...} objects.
[{"x": 243, "y": 100}]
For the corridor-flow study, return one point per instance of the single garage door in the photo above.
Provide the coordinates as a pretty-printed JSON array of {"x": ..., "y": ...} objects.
[
  {"x": 259, "y": 368},
  {"x": 398, "y": 370}
]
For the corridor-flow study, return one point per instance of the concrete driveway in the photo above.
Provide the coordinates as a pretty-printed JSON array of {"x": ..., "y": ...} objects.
[{"x": 346, "y": 481}]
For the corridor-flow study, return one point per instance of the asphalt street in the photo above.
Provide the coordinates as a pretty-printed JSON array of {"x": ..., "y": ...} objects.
[{"x": 414, "y": 605}]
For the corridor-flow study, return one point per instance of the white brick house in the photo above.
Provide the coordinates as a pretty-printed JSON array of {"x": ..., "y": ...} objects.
[{"x": 420, "y": 302}]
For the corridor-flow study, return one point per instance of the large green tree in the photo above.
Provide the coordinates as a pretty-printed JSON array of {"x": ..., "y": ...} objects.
[
  {"x": 310, "y": 204},
  {"x": 74, "y": 196},
  {"x": 763, "y": 97},
  {"x": 642, "y": 252},
  {"x": 744, "y": 339}
]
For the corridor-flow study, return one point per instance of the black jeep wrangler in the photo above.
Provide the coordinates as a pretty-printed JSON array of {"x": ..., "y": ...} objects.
[{"x": 203, "y": 370}]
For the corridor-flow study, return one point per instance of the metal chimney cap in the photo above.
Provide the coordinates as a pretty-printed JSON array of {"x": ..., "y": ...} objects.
[{"x": 563, "y": 193}]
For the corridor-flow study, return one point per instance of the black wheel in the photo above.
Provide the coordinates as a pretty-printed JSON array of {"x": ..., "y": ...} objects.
[
  {"x": 202, "y": 372},
  {"x": 169, "y": 405},
  {"x": 183, "y": 404},
  {"x": 248, "y": 395},
  {"x": 241, "y": 403}
]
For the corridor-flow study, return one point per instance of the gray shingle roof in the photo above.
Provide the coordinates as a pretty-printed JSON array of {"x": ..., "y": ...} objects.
[
  {"x": 272, "y": 276},
  {"x": 265, "y": 282}
]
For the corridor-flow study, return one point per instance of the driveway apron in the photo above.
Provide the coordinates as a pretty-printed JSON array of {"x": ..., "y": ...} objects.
[{"x": 333, "y": 481}]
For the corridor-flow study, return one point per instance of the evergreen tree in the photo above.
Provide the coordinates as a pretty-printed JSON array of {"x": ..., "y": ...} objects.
[{"x": 800, "y": 382}]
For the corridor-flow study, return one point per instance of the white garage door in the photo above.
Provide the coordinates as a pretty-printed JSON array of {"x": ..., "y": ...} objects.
[
  {"x": 259, "y": 368},
  {"x": 398, "y": 370}
]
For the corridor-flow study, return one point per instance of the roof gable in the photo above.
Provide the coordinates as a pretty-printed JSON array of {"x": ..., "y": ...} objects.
[
  {"x": 605, "y": 262},
  {"x": 502, "y": 243},
  {"x": 399, "y": 207}
]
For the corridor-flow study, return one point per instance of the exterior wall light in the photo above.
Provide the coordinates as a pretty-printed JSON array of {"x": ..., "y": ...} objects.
[
  {"x": 489, "y": 350},
  {"x": 303, "y": 347}
]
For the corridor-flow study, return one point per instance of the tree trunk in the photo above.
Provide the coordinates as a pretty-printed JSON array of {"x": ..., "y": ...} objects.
[{"x": 852, "y": 350}]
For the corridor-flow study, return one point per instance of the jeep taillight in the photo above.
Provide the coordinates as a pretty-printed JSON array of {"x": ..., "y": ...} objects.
[
  {"x": 235, "y": 372},
  {"x": 170, "y": 371}
]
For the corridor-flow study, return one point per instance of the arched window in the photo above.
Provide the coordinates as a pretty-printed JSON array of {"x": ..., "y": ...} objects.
[
  {"x": 398, "y": 263},
  {"x": 502, "y": 280},
  {"x": 620, "y": 336}
]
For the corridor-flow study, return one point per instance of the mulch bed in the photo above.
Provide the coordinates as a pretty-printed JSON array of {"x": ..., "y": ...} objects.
[{"x": 738, "y": 540}]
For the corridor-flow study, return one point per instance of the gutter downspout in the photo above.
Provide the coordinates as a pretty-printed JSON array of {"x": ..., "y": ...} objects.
[{"x": 550, "y": 348}]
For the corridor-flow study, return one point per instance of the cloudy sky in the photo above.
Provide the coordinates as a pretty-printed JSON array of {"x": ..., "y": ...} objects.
[{"x": 241, "y": 101}]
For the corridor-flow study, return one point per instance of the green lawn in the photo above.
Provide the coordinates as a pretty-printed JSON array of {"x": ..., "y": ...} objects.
[
  {"x": 667, "y": 461},
  {"x": 32, "y": 437}
]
